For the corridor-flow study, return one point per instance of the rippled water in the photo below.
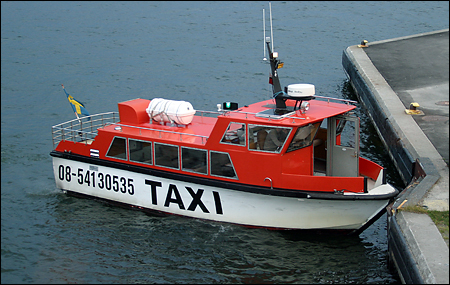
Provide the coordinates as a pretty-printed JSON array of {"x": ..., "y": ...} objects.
[{"x": 203, "y": 52}]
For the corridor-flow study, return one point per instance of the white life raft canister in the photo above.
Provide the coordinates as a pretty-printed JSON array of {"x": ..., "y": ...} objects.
[{"x": 163, "y": 110}]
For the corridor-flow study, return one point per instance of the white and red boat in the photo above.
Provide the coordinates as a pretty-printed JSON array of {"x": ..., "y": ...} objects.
[{"x": 291, "y": 162}]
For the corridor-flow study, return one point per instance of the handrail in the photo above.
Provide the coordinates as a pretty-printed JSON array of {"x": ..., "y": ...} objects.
[
  {"x": 336, "y": 99},
  {"x": 83, "y": 129},
  {"x": 162, "y": 131},
  {"x": 264, "y": 116}
]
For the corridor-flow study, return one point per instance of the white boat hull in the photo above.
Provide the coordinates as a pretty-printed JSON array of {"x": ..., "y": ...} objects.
[{"x": 212, "y": 203}]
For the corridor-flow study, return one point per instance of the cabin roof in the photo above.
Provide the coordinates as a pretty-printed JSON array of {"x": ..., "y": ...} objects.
[
  {"x": 318, "y": 111},
  {"x": 135, "y": 121}
]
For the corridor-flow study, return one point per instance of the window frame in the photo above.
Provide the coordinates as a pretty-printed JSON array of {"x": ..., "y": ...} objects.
[
  {"x": 195, "y": 149},
  {"x": 111, "y": 145},
  {"x": 222, "y": 140},
  {"x": 151, "y": 151},
  {"x": 265, "y": 127},
  {"x": 170, "y": 145},
  {"x": 235, "y": 177},
  {"x": 314, "y": 125}
]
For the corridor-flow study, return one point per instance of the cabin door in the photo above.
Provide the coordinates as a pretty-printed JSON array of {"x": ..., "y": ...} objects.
[{"x": 343, "y": 146}]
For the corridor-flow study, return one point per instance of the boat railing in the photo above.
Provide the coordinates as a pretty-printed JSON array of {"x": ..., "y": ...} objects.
[
  {"x": 328, "y": 99},
  {"x": 83, "y": 129},
  {"x": 203, "y": 138},
  {"x": 264, "y": 116},
  {"x": 260, "y": 115},
  {"x": 213, "y": 114}
]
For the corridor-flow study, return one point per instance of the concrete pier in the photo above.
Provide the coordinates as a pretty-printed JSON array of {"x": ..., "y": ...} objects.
[{"x": 388, "y": 77}]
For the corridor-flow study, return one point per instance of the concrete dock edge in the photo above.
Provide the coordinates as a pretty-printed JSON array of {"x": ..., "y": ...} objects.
[
  {"x": 432, "y": 256},
  {"x": 400, "y": 257},
  {"x": 416, "y": 248}
]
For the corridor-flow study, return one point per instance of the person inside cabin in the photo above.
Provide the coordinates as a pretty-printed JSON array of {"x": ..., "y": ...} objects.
[{"x": 275, "y": 139}]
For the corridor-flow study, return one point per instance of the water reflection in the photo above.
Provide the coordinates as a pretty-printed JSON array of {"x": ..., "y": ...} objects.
[{"x": 109, "y": 244}]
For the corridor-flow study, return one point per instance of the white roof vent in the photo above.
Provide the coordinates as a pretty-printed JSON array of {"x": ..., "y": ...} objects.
[{"x": 301, "y": 90}]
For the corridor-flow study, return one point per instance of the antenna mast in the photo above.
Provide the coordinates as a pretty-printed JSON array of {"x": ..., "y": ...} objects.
[
  {"x": 277, "y": 91},
  {"x": 264, "y": 31},
  {"x": 271, "y": 30}
]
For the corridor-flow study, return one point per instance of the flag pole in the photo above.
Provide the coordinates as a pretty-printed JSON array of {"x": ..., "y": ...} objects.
[
  {"x": 76, "y": 114},
  {"x": 79, "y": 120}
]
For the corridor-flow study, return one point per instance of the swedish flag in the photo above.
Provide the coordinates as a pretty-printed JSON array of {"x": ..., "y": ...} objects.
[{"x": 77, "y": 107}]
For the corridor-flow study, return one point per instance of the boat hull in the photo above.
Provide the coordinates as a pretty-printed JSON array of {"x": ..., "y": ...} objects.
[{"x": 149, "y": 191}]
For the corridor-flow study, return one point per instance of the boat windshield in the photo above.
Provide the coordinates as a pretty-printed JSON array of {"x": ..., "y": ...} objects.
[{"x": 303, "y": 137}]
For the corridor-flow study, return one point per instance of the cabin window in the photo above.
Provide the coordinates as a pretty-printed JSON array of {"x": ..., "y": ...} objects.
[
  {"x": 348, "y": 135},
  {"x": 221, "y": 165},
  {"x": 194, "y": 160},
  {"x": 303, "y": 137},
  {"x": 340, "y": 126},
  {"x": 140, "y": 151},
  {"x": 118, "y": 148},
  {"x": 235, "y": 134},
  {"x": 267, "y": 138},
  {"x": 166, "y": 155}
]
